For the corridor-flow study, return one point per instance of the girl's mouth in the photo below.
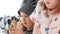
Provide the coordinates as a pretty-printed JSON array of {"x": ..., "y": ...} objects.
[{"x": 47, "y": 2}]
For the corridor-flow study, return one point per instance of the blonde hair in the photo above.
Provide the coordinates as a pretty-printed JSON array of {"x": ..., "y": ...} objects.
[{"x": 42, "y": 5}]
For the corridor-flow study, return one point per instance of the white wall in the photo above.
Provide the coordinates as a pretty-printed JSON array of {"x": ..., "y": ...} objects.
[{"x": 9, "y": 7}]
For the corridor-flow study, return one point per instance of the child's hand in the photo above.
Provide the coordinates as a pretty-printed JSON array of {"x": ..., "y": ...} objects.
[
  {"x": 36, "y": 28},
  {"x": 37, "y": 25},
  {"x": 14, "y": 31},
  {"x": 17, "y": 30}
]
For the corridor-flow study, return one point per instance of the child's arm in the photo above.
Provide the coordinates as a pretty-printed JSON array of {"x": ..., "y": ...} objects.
[{"x": 36, "y": 28}]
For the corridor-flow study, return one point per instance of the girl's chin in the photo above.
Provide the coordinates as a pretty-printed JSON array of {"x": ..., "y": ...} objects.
[{"x": 49, "y": 7}]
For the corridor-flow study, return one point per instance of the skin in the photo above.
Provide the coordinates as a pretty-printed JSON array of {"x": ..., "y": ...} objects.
[
  {"x": 54, "y": 5},
  {"x": 27, "y": 22},
  {"x": 51, "y": 4},
  {"x": 24, "y": 21}
]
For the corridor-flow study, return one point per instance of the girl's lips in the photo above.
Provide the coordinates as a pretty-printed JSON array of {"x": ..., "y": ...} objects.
[{"x": 48, "y": 2}]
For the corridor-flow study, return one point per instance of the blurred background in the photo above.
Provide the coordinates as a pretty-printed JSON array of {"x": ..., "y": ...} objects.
[{"x": 8, "y": 9}]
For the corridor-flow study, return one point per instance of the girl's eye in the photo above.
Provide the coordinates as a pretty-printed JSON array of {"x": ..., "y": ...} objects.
[{"x": 24, "y": 16}]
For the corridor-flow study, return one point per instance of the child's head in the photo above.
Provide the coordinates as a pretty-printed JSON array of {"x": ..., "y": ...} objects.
[
  {"x": 49, "y": 4},
  {"x": 13, "y": 18}
]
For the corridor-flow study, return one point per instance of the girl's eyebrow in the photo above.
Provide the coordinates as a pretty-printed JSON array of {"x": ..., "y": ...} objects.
[{"x": 23, "y": 16}]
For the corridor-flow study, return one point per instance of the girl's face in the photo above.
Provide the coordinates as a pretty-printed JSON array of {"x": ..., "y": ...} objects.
[
  {"x": 26, "y": 20},
  {"x": 52, "y": 3}
]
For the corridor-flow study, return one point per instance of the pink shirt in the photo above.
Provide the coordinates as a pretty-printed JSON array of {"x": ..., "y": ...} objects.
[{"x": 46, "y": 27}]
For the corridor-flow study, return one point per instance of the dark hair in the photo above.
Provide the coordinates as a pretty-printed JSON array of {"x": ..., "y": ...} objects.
[
  {"x": 9, "y": 21},
  {"x": 13, "y": 18},
  {"x": 19, "y": 13},
  {"x": 1, "y": 18}
]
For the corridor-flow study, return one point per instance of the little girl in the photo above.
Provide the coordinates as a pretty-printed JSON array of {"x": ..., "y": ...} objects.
[{"x": 48, "y": 18}]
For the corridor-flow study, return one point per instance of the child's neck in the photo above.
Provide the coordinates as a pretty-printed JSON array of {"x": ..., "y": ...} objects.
[{"x": 54, "y": 12}]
